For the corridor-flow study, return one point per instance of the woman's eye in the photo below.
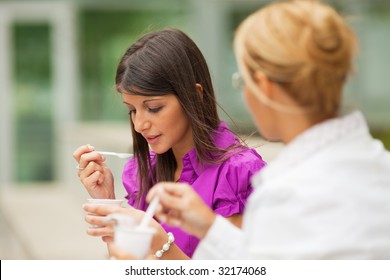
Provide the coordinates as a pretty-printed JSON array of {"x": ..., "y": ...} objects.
[
  {"x": 155, "y": 110},
  {"x": 131, "y": 112}
]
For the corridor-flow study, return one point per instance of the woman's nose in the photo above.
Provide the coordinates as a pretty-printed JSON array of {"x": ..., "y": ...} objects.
[{"x": 140, "y": 123}]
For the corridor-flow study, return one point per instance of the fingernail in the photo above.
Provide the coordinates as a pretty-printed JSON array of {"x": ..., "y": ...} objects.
[{"x": 92, "y": 148}]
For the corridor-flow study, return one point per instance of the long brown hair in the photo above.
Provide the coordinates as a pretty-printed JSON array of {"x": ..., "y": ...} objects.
[{"x": 166, "y": 62}]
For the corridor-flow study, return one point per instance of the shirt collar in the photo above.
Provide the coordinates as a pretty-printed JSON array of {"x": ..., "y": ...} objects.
[{"x": 222, "y": 138}]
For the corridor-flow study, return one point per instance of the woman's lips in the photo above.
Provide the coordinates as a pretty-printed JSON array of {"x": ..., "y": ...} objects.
[{"x": 152, "y": 139}]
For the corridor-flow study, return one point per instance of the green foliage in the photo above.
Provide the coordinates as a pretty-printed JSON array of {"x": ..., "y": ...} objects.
[
  {"x": 384, "y": 136},
  {"x": 32, "y": 49},
  {"x": 33, "y": 106},
  {"x": 104, "y": 37}
]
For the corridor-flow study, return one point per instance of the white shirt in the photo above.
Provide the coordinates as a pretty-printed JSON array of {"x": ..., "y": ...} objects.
[{"x": 326, "y": 196}]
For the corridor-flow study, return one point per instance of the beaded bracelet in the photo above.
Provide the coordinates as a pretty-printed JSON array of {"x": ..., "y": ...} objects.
[{"x": 166, "y": 246}]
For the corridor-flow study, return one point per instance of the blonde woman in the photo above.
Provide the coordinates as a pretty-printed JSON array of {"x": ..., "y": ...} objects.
[{"x": 326, "y": 196}]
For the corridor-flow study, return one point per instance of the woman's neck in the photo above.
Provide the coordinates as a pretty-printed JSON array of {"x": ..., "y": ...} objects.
[{"x": 294, "y": 126}]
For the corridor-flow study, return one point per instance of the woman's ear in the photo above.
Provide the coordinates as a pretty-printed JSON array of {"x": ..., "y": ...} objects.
[
  {"x": 199, "y": 90},
  {"x": 264, "y": 83}
]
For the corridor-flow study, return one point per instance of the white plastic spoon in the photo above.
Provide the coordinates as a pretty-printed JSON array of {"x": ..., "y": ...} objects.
[
  {"x": 149, "y": 213},
  {"x": 119, "y": 155}
]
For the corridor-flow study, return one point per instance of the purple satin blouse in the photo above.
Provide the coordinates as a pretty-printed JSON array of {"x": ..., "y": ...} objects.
[{"x": 224, "y": 187}]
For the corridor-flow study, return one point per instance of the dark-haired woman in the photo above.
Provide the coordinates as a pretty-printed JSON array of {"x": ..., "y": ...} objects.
[{"x": 178, "y": 137}]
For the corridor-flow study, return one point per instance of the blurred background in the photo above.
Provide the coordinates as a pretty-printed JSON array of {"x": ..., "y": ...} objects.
[{"x": 57, "y": 66}]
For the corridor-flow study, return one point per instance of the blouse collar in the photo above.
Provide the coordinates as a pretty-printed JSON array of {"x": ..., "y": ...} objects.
[{"x": 222, "y": 137}]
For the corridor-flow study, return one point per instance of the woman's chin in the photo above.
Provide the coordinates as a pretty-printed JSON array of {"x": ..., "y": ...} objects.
[{"x": 157, "y": 150}]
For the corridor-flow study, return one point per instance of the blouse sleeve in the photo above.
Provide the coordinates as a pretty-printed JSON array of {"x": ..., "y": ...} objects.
[
  {"x": 130, "y": 181},
  {"x": 234, "y": 184}
]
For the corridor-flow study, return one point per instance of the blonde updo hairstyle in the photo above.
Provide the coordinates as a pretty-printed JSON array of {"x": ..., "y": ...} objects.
[{"x": 304, "y": 46}]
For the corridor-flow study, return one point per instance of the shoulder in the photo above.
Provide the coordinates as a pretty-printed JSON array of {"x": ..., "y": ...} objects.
[
  {"x": 244, "y": 157},
  {"x": 241, "y": 166},
  {"x": 240, "y": 154}
]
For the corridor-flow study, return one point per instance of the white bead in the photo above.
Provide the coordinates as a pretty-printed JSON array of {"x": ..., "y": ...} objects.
[
  {"x": 166, "y": 247},
  {"x": 159, "y": 254}
]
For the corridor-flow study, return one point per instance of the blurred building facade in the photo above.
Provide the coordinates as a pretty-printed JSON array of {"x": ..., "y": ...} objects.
[{"x": 58, "y": 60}]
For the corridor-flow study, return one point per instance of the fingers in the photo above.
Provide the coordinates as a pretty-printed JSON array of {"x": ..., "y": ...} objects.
[
  {"x": 95, "y": 221},
  {"x": 100, "y": 231},
  {"x": 98, "y": 226},
  {"x": 108, "y": 239},
  {"x": 175, "y": 189},
  {"x": 91, "y": 166},
  {"x": 90, "y": 157},
  {"x": 170, "y": 194},
  {"x": 100, "y": 210},
  {"x": 171, "y": 202},
  {"x": 85, "y": 155},
  {"x": 82, "y": 150},
  {"x": 96, "y": 217},
  {"x": 170, "y": 218},
  {"x": 92, "y": 173},
  {"x": 181, "y": 206}
]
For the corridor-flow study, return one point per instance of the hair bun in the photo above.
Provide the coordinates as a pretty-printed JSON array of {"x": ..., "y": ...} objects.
[
  {"x": 304, "y": 44},
  {"x": 328, "y": 40}
]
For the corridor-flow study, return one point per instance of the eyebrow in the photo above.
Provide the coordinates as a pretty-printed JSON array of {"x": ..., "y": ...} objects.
[{"x": 145, "y": 101}]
